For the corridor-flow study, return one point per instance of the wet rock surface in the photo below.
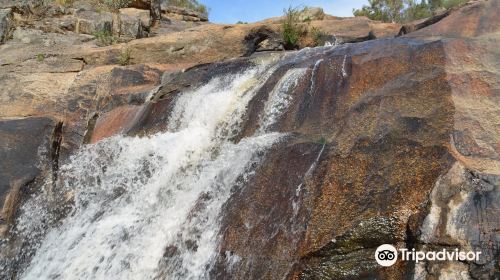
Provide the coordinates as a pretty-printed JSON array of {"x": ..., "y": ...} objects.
[
  {"x": 29, "y": 151},
  {"x": 389, "y": 140}
]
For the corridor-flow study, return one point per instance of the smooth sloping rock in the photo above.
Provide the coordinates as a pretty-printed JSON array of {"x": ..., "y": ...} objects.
[
  {"x": 366, "y": 135},
  {"x": 116, "y": 122},
  {"x": 129, "y": 86},
  {"x": 422, "y": 23},
  {"x": 367, "y": 147},
  {"x": 474, "y": 19},
  {"x": 389, "y": 141},
  {"x": 28, "y": 147}
]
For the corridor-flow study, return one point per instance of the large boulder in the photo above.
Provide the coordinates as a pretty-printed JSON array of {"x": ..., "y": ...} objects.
[
  {"x": 134, "y": 23},
  {"x": 130, "y": 23},
  {"x": 131, "y": 27},
  {"x": 91, "y": 22},
  {"x": 263, "y": 38},
  {"x": 183, "y": 14},
  {"x": 311, "y": 13},
  {"x": 142, "y": 15}
]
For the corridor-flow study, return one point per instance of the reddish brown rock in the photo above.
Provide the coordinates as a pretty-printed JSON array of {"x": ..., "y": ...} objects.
[
  {"x": 394, "y": 141},
  {"x": 115, "y": 122},
  {"x": 29, "y": 151},
  {"x": 386, "y": 141},
  {"x": 213, "y": 42},
  {"x": 385, "y": 138},
  {"x": 474, "y": 19}
]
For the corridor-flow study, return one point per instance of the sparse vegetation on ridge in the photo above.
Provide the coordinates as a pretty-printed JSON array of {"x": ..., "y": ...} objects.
[
  {"x": 318, "y": 36},
  {"x": 295, "y": 28},
  {"x": 404, "y": 10},
  {"x": 292, "y": 30},
  {"x": 190, "y": 4}
]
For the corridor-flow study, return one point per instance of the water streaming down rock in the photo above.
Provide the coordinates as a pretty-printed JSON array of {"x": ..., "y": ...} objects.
[
  {"x": 148, "y": 207},
  {"x": 279, "y": 99}
]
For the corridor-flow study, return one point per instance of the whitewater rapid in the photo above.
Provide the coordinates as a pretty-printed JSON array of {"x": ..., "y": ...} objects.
[{"x": 149, "y": 207}]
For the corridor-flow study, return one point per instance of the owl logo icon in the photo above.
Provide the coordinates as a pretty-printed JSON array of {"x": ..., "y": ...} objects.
[{"x": 386, "y": 255}]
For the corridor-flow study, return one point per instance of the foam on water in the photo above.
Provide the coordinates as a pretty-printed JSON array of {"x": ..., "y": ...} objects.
[
  {"x": 313, "y": 76},
  {"x": 280, "y": 98},
  {"x": 146, "y": 208}
]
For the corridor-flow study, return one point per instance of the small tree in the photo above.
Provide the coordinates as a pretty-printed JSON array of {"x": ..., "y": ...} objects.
[
  {"x": 404, "y": 10},
  {"x": 383, "y": 10},
  {"x": 292, "y": 30},
  {"x": 416, "y": 10},
  {"x": 448, "y": 4}
]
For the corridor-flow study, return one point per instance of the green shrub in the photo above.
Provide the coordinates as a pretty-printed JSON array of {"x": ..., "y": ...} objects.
[
  {"x": 404, "y": 10},
  {"x": 318, "y": 36},
  {"x": 124, "y": 57},
  {"x": 383, "y": 10},
  {"x": 105, "y": 37},
  {"x": 40, "y": 57},
  {"x": 415, "y": 11},
  {"x": 448, "y": 4},
  {"x": 291, "y": 29}
]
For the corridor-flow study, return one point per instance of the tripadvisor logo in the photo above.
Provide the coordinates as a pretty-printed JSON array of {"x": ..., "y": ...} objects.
[{"x": 387, "y": 255}]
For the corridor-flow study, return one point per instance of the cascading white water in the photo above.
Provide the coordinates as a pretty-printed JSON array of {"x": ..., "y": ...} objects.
[
  {"x": 137, "y": 198},
  {"x": 279, "y": 98}
]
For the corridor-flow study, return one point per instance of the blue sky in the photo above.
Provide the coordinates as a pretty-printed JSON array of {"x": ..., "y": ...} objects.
[{"x": 231, "y": 11}]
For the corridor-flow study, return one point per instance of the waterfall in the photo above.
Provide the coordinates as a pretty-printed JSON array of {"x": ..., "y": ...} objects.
[{"x": 149, "y": 207}]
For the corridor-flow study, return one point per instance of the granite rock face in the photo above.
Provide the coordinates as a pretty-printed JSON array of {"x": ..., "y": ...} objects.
[
  {"x": 29, "y": 152},
  {"x": 406, "y": 154},
  {"x": 390, "y": 140},
  {"x": 172, "y": 12}
]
